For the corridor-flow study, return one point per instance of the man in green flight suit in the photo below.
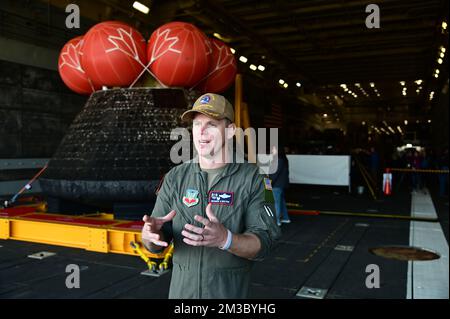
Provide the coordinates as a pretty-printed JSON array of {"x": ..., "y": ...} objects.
[{"x": 216, "y": 210}]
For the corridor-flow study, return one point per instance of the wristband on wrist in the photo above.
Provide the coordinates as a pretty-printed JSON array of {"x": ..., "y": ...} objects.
[{"x": 229, "y": 241}]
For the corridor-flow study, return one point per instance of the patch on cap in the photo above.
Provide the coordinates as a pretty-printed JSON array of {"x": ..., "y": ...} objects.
[{"x": 205, "y": 99}]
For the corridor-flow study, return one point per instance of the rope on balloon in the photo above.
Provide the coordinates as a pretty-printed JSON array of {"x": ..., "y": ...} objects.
[
  {"x": 146, "y": 68},
  {"x": 156, "y": 54}
]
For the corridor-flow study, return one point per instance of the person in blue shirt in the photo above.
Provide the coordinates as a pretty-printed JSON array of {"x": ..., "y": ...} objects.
[{"x": 280, "y": 181}]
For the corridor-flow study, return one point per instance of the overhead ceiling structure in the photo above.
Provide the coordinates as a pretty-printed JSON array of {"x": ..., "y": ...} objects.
[
  {"x": 319, "y": 51},
  {"x": 346, "y": 68}
]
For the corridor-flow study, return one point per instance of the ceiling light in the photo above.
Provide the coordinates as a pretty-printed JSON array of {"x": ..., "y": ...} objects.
[
  {"x": 357, "y": 84},
  {"x": 343, "y": 85},
  {"x": 243, "y": 59},
  {"x": 363, "y": 123},
  {"x": 418, "y": 82},
  {"x": 298, "y": 84},
  {"x": 436, "y": 75},
  {"x": 406, "y": 122},
  {"x": 253, "y": 67},
  {"x": 444, "y": 25},
  {"x": 285, "y": 85},
  {"x": 437, "y": 71},
  {"x": 372, "y": 84},
  {"x": 439, "y": 60},
  {"x": 232, "y": 50},
  {"x": 281, "y": 81},
  {"x": 325, "y": 115},
  {"x": 441, "y": 54},
  {"x": 140, "y": 7},
  {"x": 442, "y": 49},
  {"x": 221, "y": 37},
  {"x": 429, "y": 121},
  {"x": 261, "y": 67},
  {"x": 402, "y": 83}
]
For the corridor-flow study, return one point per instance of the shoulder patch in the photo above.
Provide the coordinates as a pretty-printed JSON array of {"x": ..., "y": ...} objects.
[{"x": 267, "y": 183}]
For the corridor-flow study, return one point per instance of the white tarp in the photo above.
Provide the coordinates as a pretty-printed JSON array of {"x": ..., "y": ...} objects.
[
  {"x": 314, "y": 169},
  {"x": 319, "y": 169}
]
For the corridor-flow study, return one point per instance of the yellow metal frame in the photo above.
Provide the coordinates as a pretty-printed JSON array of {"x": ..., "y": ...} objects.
[{"x": 104, "y": 239}]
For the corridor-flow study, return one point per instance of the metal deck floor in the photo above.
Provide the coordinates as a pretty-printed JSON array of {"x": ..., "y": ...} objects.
[{"x": 305, "y": 256}]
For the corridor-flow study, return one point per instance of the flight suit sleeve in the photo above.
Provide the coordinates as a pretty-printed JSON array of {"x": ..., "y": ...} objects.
[
  {"x": 163, "y": 205},
  {"x": 260, "y": 217}
]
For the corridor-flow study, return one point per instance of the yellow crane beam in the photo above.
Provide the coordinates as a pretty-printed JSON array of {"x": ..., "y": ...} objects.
[{"x": 97, "y": 233}]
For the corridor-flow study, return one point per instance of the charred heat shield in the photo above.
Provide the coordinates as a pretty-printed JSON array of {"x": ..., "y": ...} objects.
[{"x": 117, "y": 149}]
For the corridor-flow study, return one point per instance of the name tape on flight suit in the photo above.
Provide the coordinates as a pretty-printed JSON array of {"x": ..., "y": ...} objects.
[{"x": 221, "y": 198}]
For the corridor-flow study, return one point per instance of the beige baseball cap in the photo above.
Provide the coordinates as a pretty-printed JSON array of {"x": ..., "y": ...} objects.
[{"x": 212, "y": 105}]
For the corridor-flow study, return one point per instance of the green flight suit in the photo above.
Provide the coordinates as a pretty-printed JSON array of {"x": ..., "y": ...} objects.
[{"x": 206, "y": 272}]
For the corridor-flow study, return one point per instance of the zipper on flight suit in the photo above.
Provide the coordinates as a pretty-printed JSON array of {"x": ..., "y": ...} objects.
[{"x": 203, "y": 214}]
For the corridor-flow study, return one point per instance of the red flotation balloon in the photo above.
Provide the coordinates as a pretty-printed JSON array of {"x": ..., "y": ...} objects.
[
  {"x": 70, "y": 70},
  {"x": 113, "y": 53},
  {"x": 222, "y": 69},
  {"x": 178, "y": 54}
]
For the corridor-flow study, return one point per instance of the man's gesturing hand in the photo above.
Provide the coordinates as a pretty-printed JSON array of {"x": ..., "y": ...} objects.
[
  {"x": 152, "y": 227},
  {"x": 214, "y": 234}
]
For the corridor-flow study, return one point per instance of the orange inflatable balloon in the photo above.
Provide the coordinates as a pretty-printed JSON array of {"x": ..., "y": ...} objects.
[
  {"x": 113, "y": 53},
  {"x": 178, "y": 54},
  {"x": 70, "y": 70},
  {"x": 222, "y": 69}
]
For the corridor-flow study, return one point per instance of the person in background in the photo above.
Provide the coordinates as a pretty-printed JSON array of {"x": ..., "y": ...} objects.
[
  {"x": 374, "y": 163},
  {"x": 280, "y": 181}
]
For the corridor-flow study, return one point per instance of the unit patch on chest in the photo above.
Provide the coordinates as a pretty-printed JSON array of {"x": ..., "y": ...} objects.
[{"x": 191, "y": 198}]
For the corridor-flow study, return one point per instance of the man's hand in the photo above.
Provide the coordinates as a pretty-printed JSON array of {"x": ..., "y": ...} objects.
[
  {"x": 151, "y": 231},
  {"x": 214, "y": 234}
]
